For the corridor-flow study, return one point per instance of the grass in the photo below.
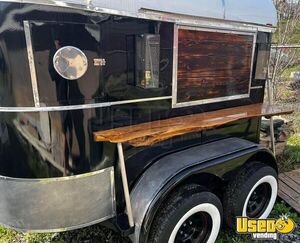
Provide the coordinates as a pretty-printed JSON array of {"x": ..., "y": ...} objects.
[
  {"x": 287, "y": 72},
  {"x": 293, "y": 149},
  {"x": 91, "y": 234},
  {"x": 291, "y": 157}
]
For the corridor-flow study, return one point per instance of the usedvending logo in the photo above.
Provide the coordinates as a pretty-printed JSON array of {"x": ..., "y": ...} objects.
[{"x": 265, "y": 229}]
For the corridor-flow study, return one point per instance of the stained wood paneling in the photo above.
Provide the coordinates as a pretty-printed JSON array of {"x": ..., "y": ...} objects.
[
  {"x": 212, "y": 65},
  {"x": 146, "y": 134}
]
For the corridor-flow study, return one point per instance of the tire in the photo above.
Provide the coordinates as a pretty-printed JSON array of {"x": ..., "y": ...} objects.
[
  {"x": 190, "y": 212},
  {"x": 252, "y": 193}
]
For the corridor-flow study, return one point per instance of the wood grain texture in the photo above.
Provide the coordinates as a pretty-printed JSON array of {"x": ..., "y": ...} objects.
[
  {"x": 212, "y": 65},
  {"x": 289, "y": 188},
  {"x": 146, "y": 134}
]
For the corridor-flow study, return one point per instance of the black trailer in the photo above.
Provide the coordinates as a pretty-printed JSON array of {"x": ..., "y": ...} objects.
[{"x": 141, "y": 115}]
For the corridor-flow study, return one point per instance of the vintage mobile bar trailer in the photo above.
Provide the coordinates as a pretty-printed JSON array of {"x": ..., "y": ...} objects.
[{"x": 141, "y": 114}]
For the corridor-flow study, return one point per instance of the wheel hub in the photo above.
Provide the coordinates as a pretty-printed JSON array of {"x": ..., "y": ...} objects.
[
  {"x": 259, "y": 200},
  {"x": 195, "y": 229}
]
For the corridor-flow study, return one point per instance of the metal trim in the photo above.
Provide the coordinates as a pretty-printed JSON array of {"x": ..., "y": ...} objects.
[
  {"x": 35, "y": 90},
  {"x": 175, "y": 103},
  {"x": 60, "y": 179},
  {"x": 80, "y": 107},
  {"x": 257, "y": 87},
  {"x": 175, "y": 67},
  {"x": 113, "y": 191},
  {"x": 209, "y": 101},
  {"x": 151, "y": 15},
  {"x": 34, "y": 83}
]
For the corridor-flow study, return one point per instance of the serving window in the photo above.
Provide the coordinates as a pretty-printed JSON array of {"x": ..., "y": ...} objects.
[{"x": 211, "y": 65}]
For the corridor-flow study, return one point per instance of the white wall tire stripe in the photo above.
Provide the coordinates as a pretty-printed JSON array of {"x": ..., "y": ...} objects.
[
  {"x": 271, "y": 180},
  {"x": 207, "y": 208}
]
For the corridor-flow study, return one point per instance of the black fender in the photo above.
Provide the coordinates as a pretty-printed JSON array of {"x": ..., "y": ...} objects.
[{"x": 218, "y": 158}]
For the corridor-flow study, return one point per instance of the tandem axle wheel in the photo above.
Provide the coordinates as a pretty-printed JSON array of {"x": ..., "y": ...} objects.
[{"x": 192, "y": 214}]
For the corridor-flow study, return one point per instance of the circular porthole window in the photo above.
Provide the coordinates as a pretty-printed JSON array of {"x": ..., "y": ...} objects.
[{"x": 70, "y": 62}]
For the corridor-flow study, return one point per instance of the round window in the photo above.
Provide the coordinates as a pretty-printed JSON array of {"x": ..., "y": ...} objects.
[{"x": 70, "y": 62}]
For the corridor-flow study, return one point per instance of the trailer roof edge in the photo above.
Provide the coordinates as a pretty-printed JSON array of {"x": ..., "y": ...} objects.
[{"x": 227, "y": 12}]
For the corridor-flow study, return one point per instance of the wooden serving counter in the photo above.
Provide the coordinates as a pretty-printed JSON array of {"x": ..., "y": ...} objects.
[{"x": 149, "y": 133}]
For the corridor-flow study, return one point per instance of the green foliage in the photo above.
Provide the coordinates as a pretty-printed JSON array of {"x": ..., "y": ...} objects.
[
  {"x": 281, "y": 208},
  {"x": 293, "y": 149},
  {"x": 7, "y": 235},
  {"x": 287, "y": 72},
  {"x": 295, "y": 37},
  {"x": 291, "y": 156},
  {"x": 91, "y": 234}
]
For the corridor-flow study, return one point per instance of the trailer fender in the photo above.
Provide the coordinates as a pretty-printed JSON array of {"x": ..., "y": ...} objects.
[{"x": 218, "y": 158}]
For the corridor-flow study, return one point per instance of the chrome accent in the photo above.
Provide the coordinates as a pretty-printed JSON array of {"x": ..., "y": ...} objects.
[
  {"x": 149, "y": 14},
  {"x": 208, "y": 101},
  {"x": 34, "y": 83},
  {"x": 175, "y": 103},
  {"x": 52, "y": 204},
  {"x": 113, "y": 190},
  {"x": 175, "y": 67},
  {"x": 257, "y": 87},
  {"x": 125, "y": 184},
  {"x": 185, "y": 20},
  {"x": 80, "y": 107},
  {"x": 70, "y": 62}
]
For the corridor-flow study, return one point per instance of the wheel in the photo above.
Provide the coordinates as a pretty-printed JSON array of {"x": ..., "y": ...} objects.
[
  {"x": 252, "y": 193},
  {"x": 189, "y": 215}
]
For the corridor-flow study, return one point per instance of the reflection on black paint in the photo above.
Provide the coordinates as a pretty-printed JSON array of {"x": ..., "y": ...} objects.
[
  {"x": 71, "y": 128},
  {"x": 38, "y": 145}
]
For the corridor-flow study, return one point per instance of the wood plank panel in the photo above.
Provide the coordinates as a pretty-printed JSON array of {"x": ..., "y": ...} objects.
[
  {"x": 212, "y": 65},
  {"x": 146, "y": 134},
  {"x": 289, "y": 188}
]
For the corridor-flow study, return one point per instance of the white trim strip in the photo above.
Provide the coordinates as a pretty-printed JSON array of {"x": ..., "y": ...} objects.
[{"x": 80, "y": 107}]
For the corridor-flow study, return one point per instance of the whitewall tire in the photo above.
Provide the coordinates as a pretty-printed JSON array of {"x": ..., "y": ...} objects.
[
  {"x": 211, "y": 210},
  {"x": 272, "y": 182},
  {"x": 190, "y": 214},
  {"x": 251, "y": 193}
]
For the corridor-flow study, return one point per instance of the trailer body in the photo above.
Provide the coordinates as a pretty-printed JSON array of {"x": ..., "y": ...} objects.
[{"x": 70, "y": 68}]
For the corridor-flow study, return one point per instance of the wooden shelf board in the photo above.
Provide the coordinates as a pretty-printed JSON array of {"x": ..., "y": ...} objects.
[
  {"x": 289, "y": 188},
  {"x": 147, "y": 134}
]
